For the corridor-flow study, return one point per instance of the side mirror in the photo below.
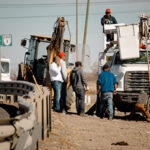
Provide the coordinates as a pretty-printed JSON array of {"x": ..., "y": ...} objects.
[
  {"x": 102, "y": 62},
  {"x": 27, "y": 53},
  {"x": 44, "y": 56},
  {"x": 73, "y": 48},
  {"x": 23, "y": 42}
]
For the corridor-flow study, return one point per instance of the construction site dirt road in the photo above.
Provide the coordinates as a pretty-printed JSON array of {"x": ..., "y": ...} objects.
[{"x": 73, "y": 132}]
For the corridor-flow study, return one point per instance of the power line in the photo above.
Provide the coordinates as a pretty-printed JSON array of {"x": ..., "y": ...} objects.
[
  {"x": 70, "y": 4},
  {"x": 73, "y": 15}
]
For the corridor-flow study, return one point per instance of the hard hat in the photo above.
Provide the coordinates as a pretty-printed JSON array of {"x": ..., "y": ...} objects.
[
  {"x": 108, "y": 10},
  {"x": 143, "y": 46},
  {"x": 61, "y": 54}
]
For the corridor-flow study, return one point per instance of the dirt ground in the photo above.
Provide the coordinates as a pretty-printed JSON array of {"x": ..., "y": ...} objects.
[{"x": 73, "y": 132}]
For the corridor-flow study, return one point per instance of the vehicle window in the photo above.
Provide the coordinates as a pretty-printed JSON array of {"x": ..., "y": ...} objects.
[
  {"x": 141, "y": 60},
  {"x": 5, "y": 67},
  {"x": 30, "y": 57},
  {"x": 42, "y": 49}
]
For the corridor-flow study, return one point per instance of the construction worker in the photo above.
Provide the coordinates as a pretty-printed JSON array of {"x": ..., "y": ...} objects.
[
  {"x": 79, "y": 85},
  {"x": 56, "y": 80},
  {"x": 62, "y": 56},
  {"x": 108, "y": 19},
  {"x": 106, "y": 84}
]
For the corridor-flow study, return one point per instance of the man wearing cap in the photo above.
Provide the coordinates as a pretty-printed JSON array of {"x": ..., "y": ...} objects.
[
  {"x": 106, "y": 84},
  {"x": 62, "y": 56},
  {"x": 108, "y": 19}
]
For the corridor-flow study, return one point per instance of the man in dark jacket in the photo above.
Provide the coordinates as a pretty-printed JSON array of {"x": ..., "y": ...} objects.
[
  {"x": 108, "y": 19},
  {"x": 79, "y": 85}
]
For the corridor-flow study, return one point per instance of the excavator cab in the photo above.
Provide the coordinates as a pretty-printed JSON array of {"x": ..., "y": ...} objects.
[{"x": 37, "y": 54}]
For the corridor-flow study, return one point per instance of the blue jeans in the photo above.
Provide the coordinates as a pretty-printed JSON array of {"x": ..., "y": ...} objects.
[
  {"x": 63, "y": 96},
  {"x": 57, "y": 92},
  {"x": 80, "y": 100},
  {"x": 106, "y": 102}
]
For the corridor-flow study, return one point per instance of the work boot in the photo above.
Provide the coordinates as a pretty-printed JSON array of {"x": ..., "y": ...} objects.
[
  {"x": 64, "y": 111},
  {"x": 110, "y": 118},
  {"x": 82, "y": 114}
]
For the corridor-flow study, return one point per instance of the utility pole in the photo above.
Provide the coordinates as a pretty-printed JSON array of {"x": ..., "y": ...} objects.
[
  {"x": 77, "y": 52},
  {"x": 85, "y": 31}
]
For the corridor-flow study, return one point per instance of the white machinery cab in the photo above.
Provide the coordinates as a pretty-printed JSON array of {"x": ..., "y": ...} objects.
[
  {"x": 5, "y": 69},
  {"x": 128, "y": 41},
  {"x": 125, "y": 36}
]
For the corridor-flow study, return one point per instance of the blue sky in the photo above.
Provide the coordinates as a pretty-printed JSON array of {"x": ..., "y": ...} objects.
[{"x": 21, "y": 18}]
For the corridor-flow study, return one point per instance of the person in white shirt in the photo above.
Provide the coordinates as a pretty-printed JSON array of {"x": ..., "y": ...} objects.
[
  {"x": 56, "y": 80},
  {"x": 62, "y": 56}
]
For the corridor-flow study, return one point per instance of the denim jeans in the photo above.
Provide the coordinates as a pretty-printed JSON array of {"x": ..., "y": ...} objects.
[
  {"x": 63, "y": 96},
  {"x": 80, "y": 100},
  {"x": 106, "y": 102},
  {"x": 57, "y": 92}
]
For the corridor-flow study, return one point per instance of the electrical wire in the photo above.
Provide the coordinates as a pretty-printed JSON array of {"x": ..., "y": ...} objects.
[
  {"x": 2, "y": 5},
  {"x": 73, "y": 15}
]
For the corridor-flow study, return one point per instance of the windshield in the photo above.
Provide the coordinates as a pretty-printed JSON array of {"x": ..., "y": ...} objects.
[
  {"x": 141, "y": 60},
  {"x": 36, "y": 50},
  {"x": 5, "y": 67},
  {"x": 42, "y": 49}
]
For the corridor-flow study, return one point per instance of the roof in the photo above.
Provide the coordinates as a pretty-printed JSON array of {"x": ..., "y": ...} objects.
[
  {"x": 5, "y": 59},
  {"x": 46, "y": 37}
]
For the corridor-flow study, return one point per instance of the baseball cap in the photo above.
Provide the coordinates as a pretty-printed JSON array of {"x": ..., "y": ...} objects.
[
  {"x": 61, "y": 54},
  {"x": 108, "y": 10}
]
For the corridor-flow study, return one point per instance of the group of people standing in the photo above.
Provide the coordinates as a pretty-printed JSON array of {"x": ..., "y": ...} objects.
[
  {"x": 106, "y": 83},
  {"x": 59, "y": 78}
]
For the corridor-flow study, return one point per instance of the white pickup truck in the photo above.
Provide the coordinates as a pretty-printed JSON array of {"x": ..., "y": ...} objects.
[
  {"x": 5, "y": 69},
  {"x": 131, "y": 74}
]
